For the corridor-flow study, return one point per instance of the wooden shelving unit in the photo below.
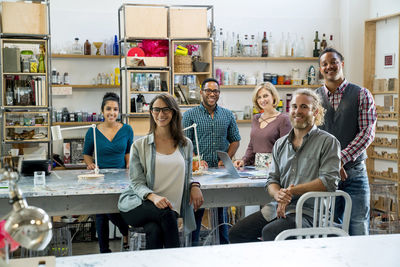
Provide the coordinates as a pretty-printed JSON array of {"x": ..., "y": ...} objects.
[{"x": 374, "y": 168}]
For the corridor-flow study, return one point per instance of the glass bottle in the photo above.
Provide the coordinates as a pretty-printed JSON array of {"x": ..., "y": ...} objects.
[
  {"x": 76, "y": 47},
  {"x": 41, "y": 65},
  {"x": 316, "y": 45},
  {"x": 115, "y": 46},
  {"x": 220, "y": 43},
  {"x": 66, "y": 78},
  {"x": 282, "y": 46},
  {"x": 330, "y": 42},
  {"x": 238, "y": 49},
  {"x": 87, "y": 48},
  {"x": 246, "y": 46},
  {"x": 324, "y": 44},
  {"x": 271, "y": 46},
  {"x": 157, "y": 82},
  {"x": 289, "y": 48},
  {"x": 264, "y": 46},
  {"x": 301, "y": 48}
]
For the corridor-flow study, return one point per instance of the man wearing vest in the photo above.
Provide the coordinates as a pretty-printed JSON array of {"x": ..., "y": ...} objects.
[{"x": 351, "y": 118}]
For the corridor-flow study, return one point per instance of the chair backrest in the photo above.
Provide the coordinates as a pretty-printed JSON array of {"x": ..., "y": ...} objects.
[
  {"x": 324, "y": 209},
  {"x": 307, "y": 233}
]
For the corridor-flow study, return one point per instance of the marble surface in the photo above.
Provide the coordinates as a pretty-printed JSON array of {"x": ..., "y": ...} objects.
[
  {"x": 358, "y": 251},
  {"x": 65, "y": 194},
  {"x": 60, "y": 183}
]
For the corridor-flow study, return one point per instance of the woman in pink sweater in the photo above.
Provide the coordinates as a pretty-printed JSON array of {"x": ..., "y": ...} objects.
[{"x": 266, "y": 128}]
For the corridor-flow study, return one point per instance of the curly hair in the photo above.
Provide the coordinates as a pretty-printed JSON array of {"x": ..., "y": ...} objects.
[
  {"x": 316, "y": 104},
  {"x": 270, "y": 88}
]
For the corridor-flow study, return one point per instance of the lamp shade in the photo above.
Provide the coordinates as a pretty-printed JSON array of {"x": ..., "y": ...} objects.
[{"x": 31, "y": 227}]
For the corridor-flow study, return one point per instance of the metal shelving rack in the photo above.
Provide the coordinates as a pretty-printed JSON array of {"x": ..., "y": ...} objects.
[{"x": 21, "y": 38}]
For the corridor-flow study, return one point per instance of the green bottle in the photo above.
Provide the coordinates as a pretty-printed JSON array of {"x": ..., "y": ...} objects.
[{"x": 41, "y": 66}]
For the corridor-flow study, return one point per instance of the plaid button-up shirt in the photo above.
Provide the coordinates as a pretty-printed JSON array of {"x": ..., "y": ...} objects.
[
  {"x": 214, "y": 134},
  {"x": 366, "y": 121}
]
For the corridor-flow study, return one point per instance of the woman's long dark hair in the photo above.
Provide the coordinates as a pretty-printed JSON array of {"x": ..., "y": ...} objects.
[{"x": 176, "y": 121}]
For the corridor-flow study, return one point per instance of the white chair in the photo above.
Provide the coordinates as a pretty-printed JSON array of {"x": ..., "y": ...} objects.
[
  {"x": 307, "y": 233},
  {"x": 324, "y": 209}
]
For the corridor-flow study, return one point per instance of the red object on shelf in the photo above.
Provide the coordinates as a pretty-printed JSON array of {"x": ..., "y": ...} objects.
[{"x": 135, "y": 52}]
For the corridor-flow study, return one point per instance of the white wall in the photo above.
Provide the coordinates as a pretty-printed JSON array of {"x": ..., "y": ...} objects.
[{"x": 97, "y": 21}]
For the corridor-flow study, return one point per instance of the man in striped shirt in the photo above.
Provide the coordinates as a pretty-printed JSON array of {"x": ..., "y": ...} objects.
[
  {"x": 216, "y": 130},
  {"x": 351, "y": 118}
]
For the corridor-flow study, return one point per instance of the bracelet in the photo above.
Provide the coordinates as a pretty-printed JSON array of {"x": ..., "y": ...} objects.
[{"x": 195, "y": 185}]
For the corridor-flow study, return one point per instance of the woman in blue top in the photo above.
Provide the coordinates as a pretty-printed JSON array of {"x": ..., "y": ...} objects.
[
  {"x": 161, "y": 178},
  {"x": 114, "y": 141}
]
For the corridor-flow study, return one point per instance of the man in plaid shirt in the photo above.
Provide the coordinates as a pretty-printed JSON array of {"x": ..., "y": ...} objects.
[
  {"x": 216, "y": 130},
  {"x": 351, "y": 118}
]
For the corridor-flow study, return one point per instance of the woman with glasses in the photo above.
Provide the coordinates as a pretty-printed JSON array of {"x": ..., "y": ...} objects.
[
  {"x": 161, "y": 186},
  {"x": 267, "y": 127},
  {"x": 113, "y": 140}
]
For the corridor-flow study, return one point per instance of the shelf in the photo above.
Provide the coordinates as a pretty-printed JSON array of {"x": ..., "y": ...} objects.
[
  {"x": 243, "y": 121},
  {"x": 25, "y": 73},
  {"x": 188, "y": 105},
  {"x": 192, "y": 41},
  {"x": 146, "y": 69},
  {"x": 382, "y": 177},
  {"x": 380, "y": 145},
  {"x": 267, "y": 58},
  {"x": 148, "y": 92},
  {"x": 26, "y": 107},
  {"x": 139, "y": 115},
  {"x": 32, "y": 126},
  {"x": 383, "y": 92},
  {"x": 192, "y": 73},
  {"x": 82, "y": 56},
  {"x": 251, "y": 86},
  {"x": 72, "y": 123},
  {"x": 387, "y": 119},
  {"x": 85, "y": 85},
  {"x": 27, "y": 141},
  {"x": 387, "y": 132},
  {"x": 380, "y": 158}
]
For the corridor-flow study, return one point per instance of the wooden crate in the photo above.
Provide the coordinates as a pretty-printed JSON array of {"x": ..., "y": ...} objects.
[
  {"x": 24, "y": 18},
  {"x": 188, "y": 23},
  {"x": 146, "y": 22}
]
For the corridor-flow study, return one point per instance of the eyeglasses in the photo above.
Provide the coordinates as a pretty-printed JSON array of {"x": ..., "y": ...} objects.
[
  {"x": 165, "y": 110},
  {"x": 209, "y": 91}
]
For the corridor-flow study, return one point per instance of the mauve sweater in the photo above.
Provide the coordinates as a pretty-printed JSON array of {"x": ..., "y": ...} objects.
[{"x": 262, "y": 140}]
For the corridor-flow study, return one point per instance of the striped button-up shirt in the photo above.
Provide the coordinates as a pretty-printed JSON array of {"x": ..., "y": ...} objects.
[
  {"x": 366, "y": 121},
  {"x": 214, "y": 134}
]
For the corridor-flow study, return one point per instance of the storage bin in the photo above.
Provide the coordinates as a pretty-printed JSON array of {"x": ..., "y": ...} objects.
[
  {"x": 188, "y": 23},
  {"x": 24, "y": 18},
  {"x": 148, "y": 61},
  {"x": 146, "y": 22},
  {"x": 183, "y": 64}
]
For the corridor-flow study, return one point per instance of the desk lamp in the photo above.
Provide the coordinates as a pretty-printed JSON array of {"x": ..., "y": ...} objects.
[
  {"x": 194, "y": 126},
  {"x": 29, "y": 226},
  {"x": 56, "y": 135}
]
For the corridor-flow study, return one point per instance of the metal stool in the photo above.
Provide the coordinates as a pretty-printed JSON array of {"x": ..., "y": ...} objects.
[
  {"x": 384, "y": 209},
  {"x": 136, "y": 239}
]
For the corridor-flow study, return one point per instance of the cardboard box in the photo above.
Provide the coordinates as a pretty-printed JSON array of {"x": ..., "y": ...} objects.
[
  {"x": 388, "y": 103},
  {"x": 188, "y": 23},
  {"x": 146, "y": 22},
  {"x": 24, "y": 18},
  {"x": 148, "y": 61},
  {"x": 393, "y": 84}
]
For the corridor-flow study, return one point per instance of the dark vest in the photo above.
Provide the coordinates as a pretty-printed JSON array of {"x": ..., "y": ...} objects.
[{"x": 343, "y": 123}]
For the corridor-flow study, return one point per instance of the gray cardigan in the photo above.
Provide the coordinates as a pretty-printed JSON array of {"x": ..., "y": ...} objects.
[{"x": 141, "y": 173}]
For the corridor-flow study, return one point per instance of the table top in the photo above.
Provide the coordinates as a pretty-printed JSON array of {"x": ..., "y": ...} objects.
[
  {"x": 355, "y": 251},
  {"x": 66, "y": 182}
]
